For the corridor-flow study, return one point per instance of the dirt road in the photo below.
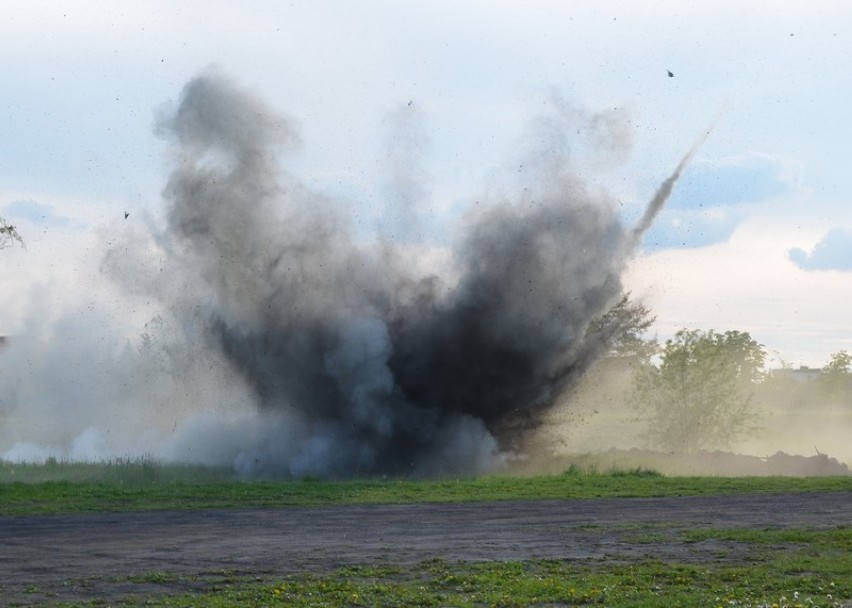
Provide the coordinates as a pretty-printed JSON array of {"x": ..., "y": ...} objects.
[{"x": 80, "y": 557}]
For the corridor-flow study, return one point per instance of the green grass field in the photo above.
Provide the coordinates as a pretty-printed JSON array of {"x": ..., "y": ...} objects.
[
  {"x": 781, "y": 568},
  {"x": 814, "y": 570},
  {"x": 58, "y": 487}
]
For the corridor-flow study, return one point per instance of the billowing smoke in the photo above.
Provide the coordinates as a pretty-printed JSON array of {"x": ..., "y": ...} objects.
[{"x": 301, "y": 348}]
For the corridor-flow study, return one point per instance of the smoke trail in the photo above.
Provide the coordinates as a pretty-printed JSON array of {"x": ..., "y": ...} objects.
[
  {"x": 287, "y": 346},
  {"x": 664, "y": 191}
]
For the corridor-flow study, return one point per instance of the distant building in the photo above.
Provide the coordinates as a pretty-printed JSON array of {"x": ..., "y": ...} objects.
[{"x": 802, "y": 374}]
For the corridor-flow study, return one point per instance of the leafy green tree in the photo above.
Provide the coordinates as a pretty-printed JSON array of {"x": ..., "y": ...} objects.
[
  {"x": 700, "y": 394},
  {"x": 8, "y": 234}
]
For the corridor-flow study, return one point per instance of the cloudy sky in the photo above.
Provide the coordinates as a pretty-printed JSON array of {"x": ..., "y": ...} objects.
[{"x": 757, "y": 236}]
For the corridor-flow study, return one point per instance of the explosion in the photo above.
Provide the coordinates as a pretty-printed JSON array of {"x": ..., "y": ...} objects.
[{"x": 335, "y": 355}]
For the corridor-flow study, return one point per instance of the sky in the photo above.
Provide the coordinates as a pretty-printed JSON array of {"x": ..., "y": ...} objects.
[{"x": 757, "y": 236}]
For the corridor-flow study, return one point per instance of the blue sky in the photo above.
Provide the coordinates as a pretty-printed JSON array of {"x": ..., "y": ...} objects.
[{"x": 757, "y": 235}]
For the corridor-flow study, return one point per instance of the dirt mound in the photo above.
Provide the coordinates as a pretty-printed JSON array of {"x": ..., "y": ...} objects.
[{"x": 713, "y": 463}]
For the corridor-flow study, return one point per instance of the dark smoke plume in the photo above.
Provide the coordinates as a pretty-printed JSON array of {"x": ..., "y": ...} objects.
[{"x": 374, "y": 368}]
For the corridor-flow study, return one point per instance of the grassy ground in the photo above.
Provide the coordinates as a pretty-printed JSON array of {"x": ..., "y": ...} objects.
[
  {"x": 142, "y": 486},
  {"x": 781, "y": 568},
  {"x": 767, "y": 568},
  {"x": 549, "y": 583}
]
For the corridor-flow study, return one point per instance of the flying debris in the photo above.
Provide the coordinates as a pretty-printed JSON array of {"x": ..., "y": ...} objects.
[
  {"x": 286, "y": 339},
  {"x": 370, "y": 366}
]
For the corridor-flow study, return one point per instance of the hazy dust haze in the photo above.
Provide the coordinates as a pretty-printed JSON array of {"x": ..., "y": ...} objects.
[{"x": 286, "y": 343}]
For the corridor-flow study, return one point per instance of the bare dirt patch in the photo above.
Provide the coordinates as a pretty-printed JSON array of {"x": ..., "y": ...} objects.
[{"x": 108, "y": 556}]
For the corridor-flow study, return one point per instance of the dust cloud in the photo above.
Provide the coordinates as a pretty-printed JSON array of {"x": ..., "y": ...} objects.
[
  {"x": 801, "y": 428},
  {"x": 283, "y": 343}
]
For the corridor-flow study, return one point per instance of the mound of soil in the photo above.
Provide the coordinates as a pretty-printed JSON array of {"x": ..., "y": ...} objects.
[{"x": 713, "y": 463}]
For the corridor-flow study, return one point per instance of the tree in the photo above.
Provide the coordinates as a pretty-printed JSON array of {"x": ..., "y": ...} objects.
[
  {"x": 700, "y": 395},
  {"x": 841, "y": 363},
  {"x": 8, "y": 234},
  {"x": 836, "y": 378},
  {"x": 621, "y": 330}
]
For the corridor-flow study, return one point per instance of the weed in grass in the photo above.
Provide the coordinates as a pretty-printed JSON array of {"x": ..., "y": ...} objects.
[
  {"x": 839, "y": 537},
  {"x": 635, "y": 472},
  {"x": 369, "y": 571},
  {"x": 153, "y": 577},
  {"x": 576, "y": 470},
  {"x": 646, "y": 538}
]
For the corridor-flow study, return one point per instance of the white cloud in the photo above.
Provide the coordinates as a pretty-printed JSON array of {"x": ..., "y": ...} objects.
[{"x": 832, "y": 252}]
